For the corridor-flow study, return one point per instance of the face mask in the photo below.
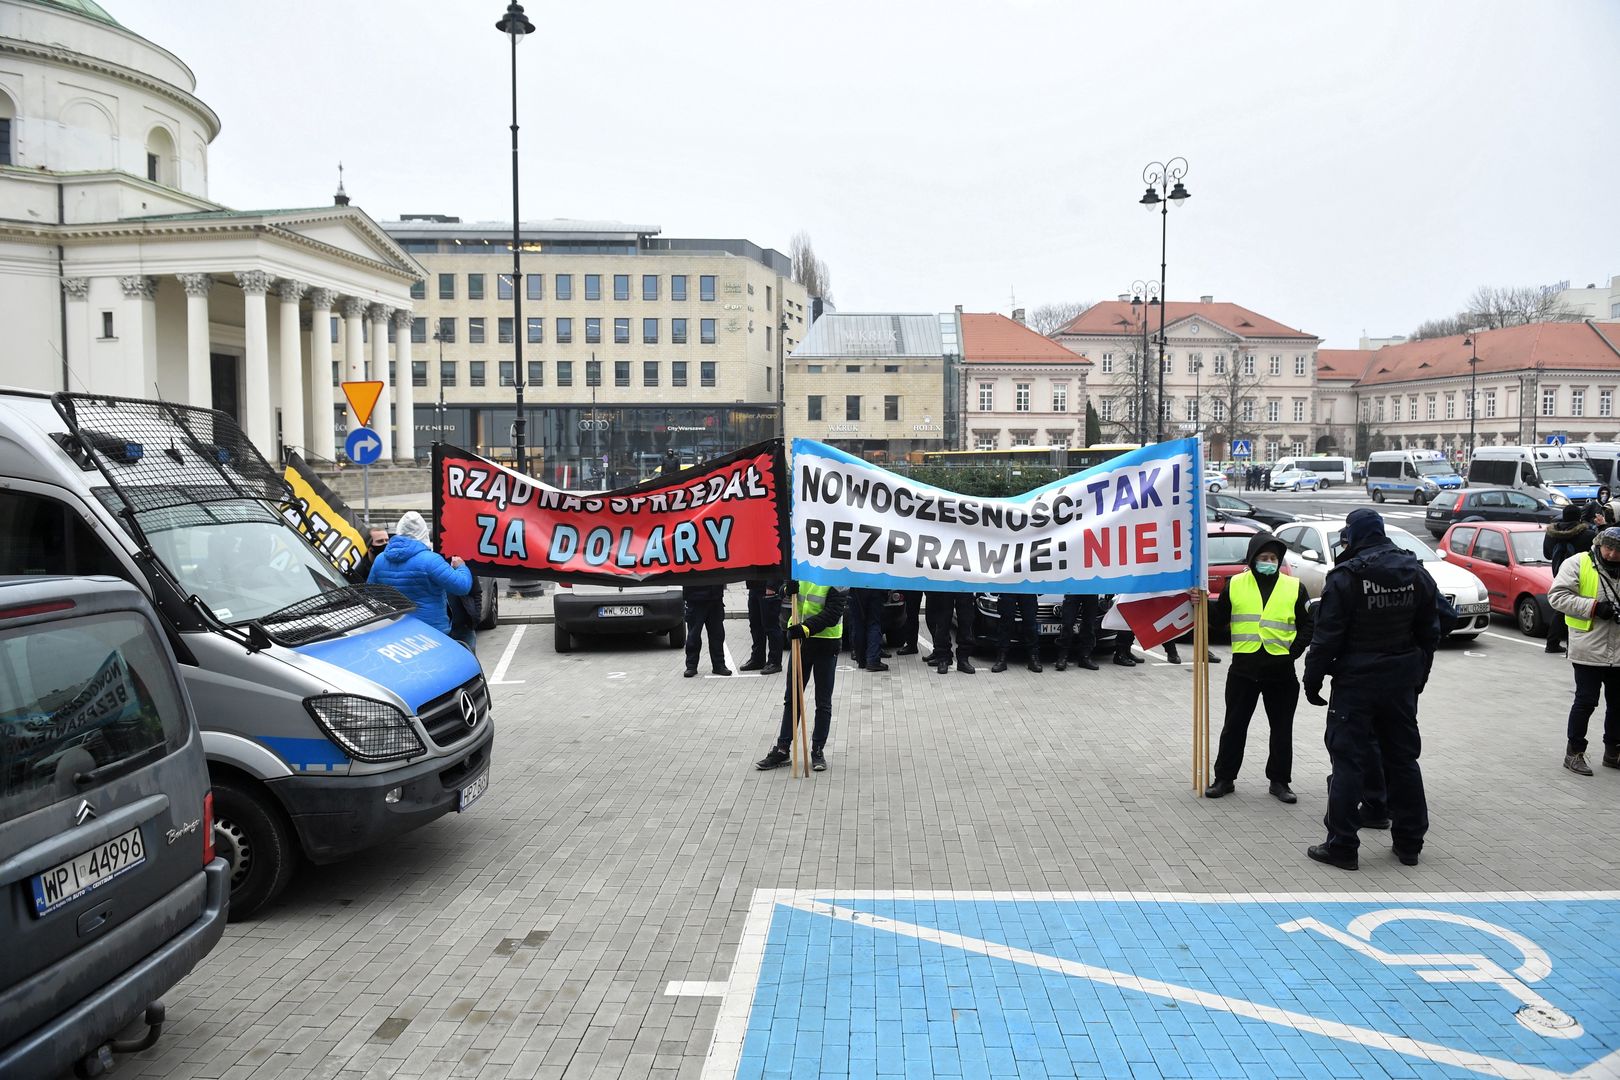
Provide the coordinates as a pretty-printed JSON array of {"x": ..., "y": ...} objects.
[{"x": 1266, "y": 568}]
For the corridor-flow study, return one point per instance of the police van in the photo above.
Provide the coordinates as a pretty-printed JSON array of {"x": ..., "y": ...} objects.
[
  {"x": 1332, "y": 470},
  {"x": 1604, "y": 458},
  {"x": 1557, "y": 475},
  {"x": 1413, "y": 475},
  {"x": 332, "y": 719}
]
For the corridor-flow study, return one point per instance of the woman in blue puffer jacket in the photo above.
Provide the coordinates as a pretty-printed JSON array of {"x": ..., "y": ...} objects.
[{"x": 410, "y": 566}]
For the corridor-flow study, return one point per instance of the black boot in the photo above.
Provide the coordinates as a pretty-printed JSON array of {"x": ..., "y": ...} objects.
[
  {"x": 1062, "y": 664},
  {"x": 1125, "y": 659},
  {"x": 965, "y": 666},
  {"x": 1170, "y": 652},
  {"x": 1000, "y": 665},
  {"x": 1086, "y": 662},
  {"x": 1035, "y": 663}
]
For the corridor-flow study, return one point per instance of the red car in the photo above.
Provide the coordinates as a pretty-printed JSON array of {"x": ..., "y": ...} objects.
[
  {"x": 1227, "y": 550},
  {"x": 1506, "y": 556}
]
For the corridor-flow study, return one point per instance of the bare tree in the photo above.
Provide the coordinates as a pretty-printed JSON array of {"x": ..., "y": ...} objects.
[
  {"x": 1492, "y": 307},
  {"x": 1229, "y": 404},
  {"x": 808, "y": 270},
  {"x": 1048, "y": 319},
  {"x": 1133, "y": 410}
]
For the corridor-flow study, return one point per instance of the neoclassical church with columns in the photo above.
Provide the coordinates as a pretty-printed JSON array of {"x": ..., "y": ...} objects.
[{"x": 119, "y": 275}]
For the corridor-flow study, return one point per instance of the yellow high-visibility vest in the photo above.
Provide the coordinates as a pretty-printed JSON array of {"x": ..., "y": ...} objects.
[
  {"x": 1256, "y": 622},
  {"x": 1587, "y": 587},
  {"x": 812, "y": 598}
]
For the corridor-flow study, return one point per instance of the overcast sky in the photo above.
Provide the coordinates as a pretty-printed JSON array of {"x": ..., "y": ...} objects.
[{"x": 1354, "y": 166}]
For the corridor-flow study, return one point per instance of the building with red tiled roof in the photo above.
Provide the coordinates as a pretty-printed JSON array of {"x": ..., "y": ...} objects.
[
  {"x": 1528, "y": 382},
  {"x": 1019, "y": 387},
  {"x": 1228, "y": 372}
]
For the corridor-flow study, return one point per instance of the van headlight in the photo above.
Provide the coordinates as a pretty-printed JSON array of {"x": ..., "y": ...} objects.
[
  {"x": 1557, "y": 498},
  {"x": 367, "y": 730}
]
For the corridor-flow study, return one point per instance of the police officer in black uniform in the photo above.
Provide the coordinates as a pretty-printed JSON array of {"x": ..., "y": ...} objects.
[
  {"x": 1023, "y": 609},
  {"x": 942, "y": 608},
  {"x": 1077, "y": 631},
  {"x": 1376, "y": 632},
  {"x": 705, "y": 611}
]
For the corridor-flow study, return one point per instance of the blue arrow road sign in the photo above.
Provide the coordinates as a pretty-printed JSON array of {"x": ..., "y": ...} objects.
[
  {"x": 363, "y": 446},
  {"x": 1240, "y": 448}
]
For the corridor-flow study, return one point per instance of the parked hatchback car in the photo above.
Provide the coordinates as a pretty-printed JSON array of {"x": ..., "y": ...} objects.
[
  {"x": 1486, "y": 504},
  {"x": 1507, "y": 557},
  {"x": 1314, "y": 546},
  {"x": 113, "y": 892},
  {"x": 1233, "y": 506},
  {"x": 617, "y": 609}
]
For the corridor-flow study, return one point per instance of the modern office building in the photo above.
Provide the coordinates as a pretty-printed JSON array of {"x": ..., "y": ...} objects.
[{"x": 632, "y": 343}]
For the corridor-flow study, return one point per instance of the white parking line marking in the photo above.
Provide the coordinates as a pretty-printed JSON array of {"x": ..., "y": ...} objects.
[
  {"x": 695, "y": 989},
  {"x": 500, "y": 678},
  {"x": 1515, "y": 640},
  {"x": 923, "y": 642}
]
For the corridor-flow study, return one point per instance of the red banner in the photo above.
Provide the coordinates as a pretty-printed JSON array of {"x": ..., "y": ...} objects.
[{"x": 723, "y": 520}]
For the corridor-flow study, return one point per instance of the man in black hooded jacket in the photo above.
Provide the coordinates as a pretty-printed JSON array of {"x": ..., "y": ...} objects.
[
  {"x": 1263, "y": 658},
  {"x": 1376, "y": 632}
]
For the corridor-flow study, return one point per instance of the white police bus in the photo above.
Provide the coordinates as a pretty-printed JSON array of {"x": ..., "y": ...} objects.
[
  {"x": 1332, "y": 470},
  {"x": 1413, "y": 475}
]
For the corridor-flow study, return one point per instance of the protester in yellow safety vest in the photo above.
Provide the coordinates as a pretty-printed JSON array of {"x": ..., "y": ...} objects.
[
  {"x": 1587, "y": 591},
  {"x": 819, "y": 632},
  {"x": 1271, "y": 627}
]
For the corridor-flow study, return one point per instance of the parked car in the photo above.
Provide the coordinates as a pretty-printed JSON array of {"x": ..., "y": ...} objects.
[
  {"x": 1215, "y": 480},
  {"x": 1243, "y": 508},
  {"x": 1314, "y": 546},
  {"x": 617, "y": 609},
  {"x": 1486, "y": 504},
  {"x": 1227, "y": 553},
  {"x": 107, "y": 857},
  {"x": 1507, "y": 557},
  {"x": 986, "y": 627},
  {"x": 1295, "y": 480}
]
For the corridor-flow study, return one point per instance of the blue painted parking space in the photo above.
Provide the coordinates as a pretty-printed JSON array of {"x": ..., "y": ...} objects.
[{"x": 1136, "y": 985}]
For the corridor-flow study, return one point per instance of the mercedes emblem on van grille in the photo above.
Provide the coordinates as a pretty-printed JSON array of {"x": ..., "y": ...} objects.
[
  {"x": 84, "y": 813},
  {"x": 469, "y": 711}
]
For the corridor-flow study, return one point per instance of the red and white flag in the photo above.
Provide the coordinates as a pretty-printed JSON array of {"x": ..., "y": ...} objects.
[{"x": 1154, "y": 618}]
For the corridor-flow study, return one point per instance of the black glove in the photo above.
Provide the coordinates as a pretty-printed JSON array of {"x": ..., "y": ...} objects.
[
  {"x": 1603, "y": 610},
  {"x": 793, "y": 587},
  {"x": 796, "y": 632},
  {"x": 1313, "y": 694}
]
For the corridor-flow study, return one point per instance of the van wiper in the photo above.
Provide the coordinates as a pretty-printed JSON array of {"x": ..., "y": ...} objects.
[{"x": 118, "y": 768}]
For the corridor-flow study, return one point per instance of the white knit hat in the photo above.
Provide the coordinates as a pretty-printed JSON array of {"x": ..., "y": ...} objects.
[{"x": 412, "y": 525}]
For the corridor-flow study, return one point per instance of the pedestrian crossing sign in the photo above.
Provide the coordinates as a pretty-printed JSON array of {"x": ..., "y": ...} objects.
[{"x": 1241, "y": 448}]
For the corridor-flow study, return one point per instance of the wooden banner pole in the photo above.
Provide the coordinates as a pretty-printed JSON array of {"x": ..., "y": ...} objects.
[
  {"x": 1201, "y": 691},
  {"x": 799, "y": 751}
]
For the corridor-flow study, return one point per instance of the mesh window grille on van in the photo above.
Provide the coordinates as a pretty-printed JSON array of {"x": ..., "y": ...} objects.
[{"x": 78, "y": 695}]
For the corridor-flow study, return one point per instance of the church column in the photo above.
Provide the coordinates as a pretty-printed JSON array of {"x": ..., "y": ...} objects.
[
  {"x": 77, "y": 345},
  {"x": 256, "y": 387},
  {"x": 199, "y": 370},
  {"x": 321, "y": 441},
  {"x": 405, "y": 392},
  {"x": 382, "y": 417},
  {"x": 137, "y": 328},
  {"x": 354, "y": 346},
  {"x": 292, "y": 365}
]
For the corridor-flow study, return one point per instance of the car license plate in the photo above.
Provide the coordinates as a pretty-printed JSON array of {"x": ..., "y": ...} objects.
[
  {"x": 1483, "y": 608},
  {"x": 473, "y": 792},
  {"x": 68, "y": 881},
  {"x": 619, "y": 611},
  {"x": 1051, "y": 628}
]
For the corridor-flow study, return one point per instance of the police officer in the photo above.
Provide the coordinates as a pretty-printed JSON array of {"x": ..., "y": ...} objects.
[
  {"x": 1271, "y": 626},
  {"x": 819, "y": 632},
  {"x": 1376, "y": 632},
  {"x": 764, "y": 626},
  {"x": 705, "y": 610},
  {"x": 1077, "y": 624},
  {"x": 942, "y": 608},
  {"x": 1020, "y": 608},
  {"x": 866, "y": 628},
  {"x": 910, "y": 623}
]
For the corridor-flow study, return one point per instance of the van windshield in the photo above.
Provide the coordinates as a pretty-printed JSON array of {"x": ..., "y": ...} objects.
[
  {"x": 1566, "y": 472},
  {"x": 77, "y": 696},
  {"x": 241, "y": 558},
  {"x": 1435, "y": 468}
]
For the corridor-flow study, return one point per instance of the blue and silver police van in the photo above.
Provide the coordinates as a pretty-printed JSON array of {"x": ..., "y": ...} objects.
[
  {"x": 332, "y": 719},
  {"x": 1554, "y": 475},
  {"x": 1413, "y": 475}
]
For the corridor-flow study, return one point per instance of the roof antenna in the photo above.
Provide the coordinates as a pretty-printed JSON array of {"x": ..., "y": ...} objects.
[
  {"x": 173, "y": 451},
  {"x": 342, "y": 197}
]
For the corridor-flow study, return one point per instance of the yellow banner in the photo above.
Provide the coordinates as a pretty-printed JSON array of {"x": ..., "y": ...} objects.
[{"x": 324, "y": 519}]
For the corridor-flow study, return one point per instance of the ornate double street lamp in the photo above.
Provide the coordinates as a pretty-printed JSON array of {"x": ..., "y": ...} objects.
[
  {"x": 1160, "y": 176},
  {"x": 1144, "y": 295},
  {"x": 515, "y": 25},
  {"x": 1473, "y": 402}
]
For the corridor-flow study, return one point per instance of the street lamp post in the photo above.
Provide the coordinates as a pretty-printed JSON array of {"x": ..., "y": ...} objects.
[
  {"x": 1160, "y": 176},
  {"x": 1144, "y": 294},
  {"x": 1473, "y": 400},
  {"x": 515, "y": 25}
]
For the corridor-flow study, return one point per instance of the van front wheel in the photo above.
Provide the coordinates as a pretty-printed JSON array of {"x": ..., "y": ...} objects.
[
  {"x": 1378, "y": 495},
  {"x": 255, "y": 840}
]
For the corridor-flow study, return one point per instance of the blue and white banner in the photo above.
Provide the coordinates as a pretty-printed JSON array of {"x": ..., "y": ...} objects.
[{"x": 1133, "y": 524}]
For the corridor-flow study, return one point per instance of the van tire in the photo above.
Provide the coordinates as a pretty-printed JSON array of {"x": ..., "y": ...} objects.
[
  {"x": 561, "y": 639},
  {"x": 1378, "y": 495},
  {"x": 248, "y": 826}
]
